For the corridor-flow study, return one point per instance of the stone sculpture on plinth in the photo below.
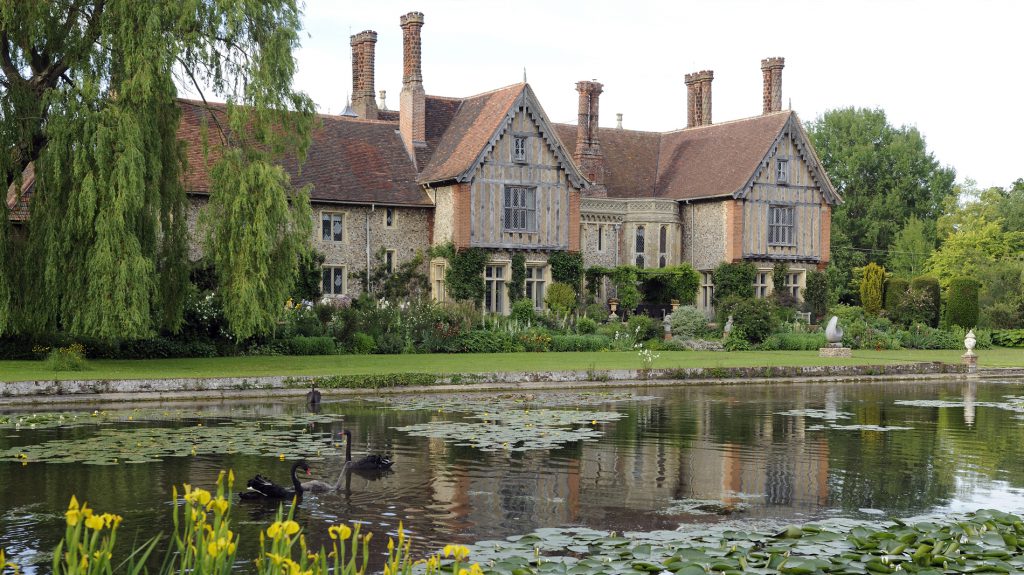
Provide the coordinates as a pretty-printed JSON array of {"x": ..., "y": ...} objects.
[
  {"x": 834, "y": 337},
  {"x": 970, "y": 358}
]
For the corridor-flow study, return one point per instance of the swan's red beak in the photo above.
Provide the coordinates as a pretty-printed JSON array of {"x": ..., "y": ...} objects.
[{"x": 308, "y": 472}]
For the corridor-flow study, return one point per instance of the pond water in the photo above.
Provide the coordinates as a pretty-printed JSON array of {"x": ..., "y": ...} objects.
[{"x": 471, "y": 467}]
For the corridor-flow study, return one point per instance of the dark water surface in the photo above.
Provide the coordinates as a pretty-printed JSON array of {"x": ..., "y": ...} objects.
[{"x": 674, "y": 456}]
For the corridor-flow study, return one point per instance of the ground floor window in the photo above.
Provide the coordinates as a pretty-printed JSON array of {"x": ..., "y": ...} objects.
[
  {"x": 335, "y": 280},
  {"x": 494, "y": 295},
  {"x": 535, "y": 285},
  {"x": 762, "y": 282},
  {"x": 389, "y": 261},
  {"x": 707, "y": 289},
  {"x": 437, "y": 272},
  {"x": 793, "y": 283}
]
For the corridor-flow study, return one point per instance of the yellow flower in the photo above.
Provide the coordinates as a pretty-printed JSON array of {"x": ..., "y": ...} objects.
[
  {"x": 200, "y": 496},
  {"x": 220, "y": 504},
  {"x": 95, "y": 522},
  {"x": 112, "y": 520},
  {"x": 275, "y": 558},
  {"x": 73, "y": 514},
  {"x": 340, "y": 532},
  {"x": 459, "y": 552},
  {"x": 279, "y": 528},
  {"x": 391, "y": 545}
]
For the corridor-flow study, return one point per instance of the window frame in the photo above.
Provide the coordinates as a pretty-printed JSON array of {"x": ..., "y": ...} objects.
[
  {"x": 390, "y": 260},
  {"x": 781, "y": 233},
  {"x": 526, "y": 209},
  {"x": 342, "y": 216},
  {"x": 393, "y": 212},
  {"x": 781, "y": 170},
  {"x": 439, "y": 290},
  {"x": 707, "y": 288},
  {"x": 640, "y": 246},
  {"x": 762, "y": 283},
  {"x": 520, "y": 154},
  {"x": 331, "y": 269},
  {"x": 532, "y": 283},
  {"x": 496, "y": 287}
]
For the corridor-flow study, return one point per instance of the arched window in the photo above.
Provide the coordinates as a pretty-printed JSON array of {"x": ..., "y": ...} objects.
[
  {"x": 663, "y": 239},
  {"x": 638, "y": 246}
]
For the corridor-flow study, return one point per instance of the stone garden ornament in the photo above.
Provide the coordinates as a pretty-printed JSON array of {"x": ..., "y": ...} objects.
[
  {"x": 834, "y": 337},
  {"x": 970, "y": 358}
]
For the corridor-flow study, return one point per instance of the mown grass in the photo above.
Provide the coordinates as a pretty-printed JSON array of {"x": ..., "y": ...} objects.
[{"x": 254, "y": 366}]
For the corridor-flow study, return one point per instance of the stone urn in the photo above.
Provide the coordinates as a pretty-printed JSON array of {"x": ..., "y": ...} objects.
[
  {"x": 613, "y": 304},
  {"x": 675, "y": 304},
  {"x": 970, "y": 358},
  {"x": 970, "y": 341}
]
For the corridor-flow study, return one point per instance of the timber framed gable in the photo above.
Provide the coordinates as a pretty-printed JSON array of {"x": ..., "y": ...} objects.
[{"x": 793, "y": 133}]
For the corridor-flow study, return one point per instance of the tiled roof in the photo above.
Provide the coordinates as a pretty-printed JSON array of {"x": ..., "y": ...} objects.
[
  {"x": 630, "y": 158},
  {"x": 715, "y": 160},
  {"x": 474, "y": 122},
  {"x": 349, "y": 160},
  {"x": 18, "y": 198},
  {"x": 703, "y": 162}
]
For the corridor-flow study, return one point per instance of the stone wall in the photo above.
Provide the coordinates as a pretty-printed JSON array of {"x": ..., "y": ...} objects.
[{"x": 703, "y": 234}]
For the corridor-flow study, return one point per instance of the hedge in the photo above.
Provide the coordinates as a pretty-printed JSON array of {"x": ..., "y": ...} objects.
[
  {"x": 895, "y": 290},
  {"x": 962, "y": 302},
  {"x": 931, "y": 286}
]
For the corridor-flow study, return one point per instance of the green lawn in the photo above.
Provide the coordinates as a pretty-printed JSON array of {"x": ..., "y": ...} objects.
[{"x": 473, "y": 363}]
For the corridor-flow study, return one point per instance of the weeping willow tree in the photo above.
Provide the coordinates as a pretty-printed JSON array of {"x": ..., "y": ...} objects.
[{"x": 89, "y": 89}]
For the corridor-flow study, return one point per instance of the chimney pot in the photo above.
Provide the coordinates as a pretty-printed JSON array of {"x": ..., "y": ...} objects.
[
  {"x": 588, "y": 155},
  {"x": 771, "y": 70},
  {"x": 618, "y": 120},
  {"x": 363, "y": 102},
  {"x": 698, "y": 100},
  {"x": 383, "y": 100}
]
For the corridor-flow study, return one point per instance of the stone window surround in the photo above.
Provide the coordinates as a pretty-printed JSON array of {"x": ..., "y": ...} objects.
[
  {"x": 438, "y": 287},
  {"x": 543, "y": 279},
  {"x": 707, "y": 289},
  {"x": 393, "y": 215},
  {"x": 330, "y": 270},
  {"x": 763, "y": 283},
  {"x": 344, "y": 220},
  {"x": 390, "y": 259},
  {"x": 501, "y": 306}
]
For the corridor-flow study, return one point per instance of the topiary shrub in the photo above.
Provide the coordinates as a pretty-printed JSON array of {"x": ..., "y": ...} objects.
[
  {"x": 871, "y": 288},
  {"x": 688, "y": 322},
  {"x": 754, "y": 319},
  {"x": 560, "y": 298},
  {"x": 816, "y": 294},
  {"x": 929, "y": 285},
  {"x": 895, "y": 291},
  {"x": 962, "y": 303},
  {"x": 734, "y": 279}
]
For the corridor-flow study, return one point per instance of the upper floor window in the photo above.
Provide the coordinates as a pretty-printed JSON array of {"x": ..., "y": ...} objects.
[
  {"x": 600, "y": 238},
  {"x": 639, "y": 245},
  {"x": 335, "y": 280},
  {"x": 389, "y": 217},
  {"x": 781, "y": 170},
  {"x": 519, "y": 148},
  {"x": 520, "y": 209},
  {"x": 332, "y": 226},
  {"x": 780, "y": 225}
]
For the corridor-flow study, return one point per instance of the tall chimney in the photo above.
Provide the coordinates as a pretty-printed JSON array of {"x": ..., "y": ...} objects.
[
  {"x": 363, "y": 98},
  {"x": 771, "y": 69},
  {"x": 698, "y": 101},
  {"x": 588, "y": 154},
  {"x": 412, "y": 101}
]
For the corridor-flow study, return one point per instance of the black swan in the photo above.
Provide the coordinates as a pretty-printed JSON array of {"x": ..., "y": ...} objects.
[
  {"x": 372, "y": 462},
  {"x": 260, "y": 487},
  {"x": 313, "y": 396}
]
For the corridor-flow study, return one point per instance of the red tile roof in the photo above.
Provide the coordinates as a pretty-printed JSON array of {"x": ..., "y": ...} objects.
[
  {"x": 472, "y": 125},
  {"x": 349, "y": 159},
  {"x": 702, "y": 162}
]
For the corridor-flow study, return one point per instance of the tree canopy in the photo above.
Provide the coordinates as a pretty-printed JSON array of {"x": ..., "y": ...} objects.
[{"x": 89, "y": 97}]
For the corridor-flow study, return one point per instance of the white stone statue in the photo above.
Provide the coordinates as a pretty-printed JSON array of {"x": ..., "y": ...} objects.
[
  {"x": 970, "y": 341},
  {"x": 728, "y": 327},
  {"x": 834, "y": 333}
]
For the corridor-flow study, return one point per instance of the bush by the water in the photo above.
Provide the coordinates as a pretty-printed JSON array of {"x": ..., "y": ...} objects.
[
  {"x": 70, "y": 358},
  {"x": 688, "y": 322}
]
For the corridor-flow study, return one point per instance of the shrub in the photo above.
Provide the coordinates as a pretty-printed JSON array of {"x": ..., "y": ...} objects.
[
  {"x": 464, "y": 278},
  {"x": 816, "y": 294},
  {"x": 914, "y": 307},
  {"x": 535, "y": 340},
  {"x": 791, "y": 341},
  {"x": 560, "y": 298},
  {"x": 1008, "y": 337},
  {"x": 522, "y": 311},
  {"x": 625, "y": 278},
  {"x": 643, "y": 327},
  {"x": 753, "y": 318},
  {"x": 779, "y": 272},
  {"x": 734, "y": 279},
  {"x": 70, "y": 358},
  {"x": 363, "y": 343},
  {"x": 586, "y": 326},
  {"x": 662, "y": 285},
  {"x": 871, "y": 288},
  {"x": 567, "y": 268},
  {"x": 580, "y": 342},
  {"x": 962, "y": 303},
  {"x": 164, "y": 347},
  {"x": 736, "y": 341},
  {"x": 517, "y": 283},
  {"x": 597, "y": 312},
  {"x": 301, "y": 345},
  {"x": 929, "y": 285},
  {"x": 895, "y": 290},
  {"x": 688, "y": 322},
  {"x": 375, "y": 381},
  {"x": 485, "y": 341}
]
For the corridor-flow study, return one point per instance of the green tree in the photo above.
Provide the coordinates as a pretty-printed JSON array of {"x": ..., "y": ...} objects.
[
  {"x": 871, "y": 288},
  {"x": 885, "y": 175},
  {"x": 89, "y": 98},
  {"x": 909, "y": 252},
  {"x": 962, "y": 303},
  {"x": 817, "y": 293},
  {"x": 973, "y": 247}
]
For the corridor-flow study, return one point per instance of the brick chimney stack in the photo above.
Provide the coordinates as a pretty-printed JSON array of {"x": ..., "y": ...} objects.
[
  {"x": 363, "y": 102},
  {"x": 412, "y": 101},
  {"x": 698, "y": 100},
  {"x": 588, "y": 155},
  {"x": 771, "y": 68}
]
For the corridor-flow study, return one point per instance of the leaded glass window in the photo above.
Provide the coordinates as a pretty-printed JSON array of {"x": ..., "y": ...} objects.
[
  {"x": 780, "y": 225},
  {"x": 332, "y": 226},
  {"x": 520, "y": 209}
]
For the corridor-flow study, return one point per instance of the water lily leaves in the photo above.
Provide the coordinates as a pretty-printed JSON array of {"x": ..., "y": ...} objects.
[
  {"x": 827, "y": 414},
  {"x": 702, "y": 507},
  {"x": 481, "y": 403},
  {"x": 112, "y": 446}
]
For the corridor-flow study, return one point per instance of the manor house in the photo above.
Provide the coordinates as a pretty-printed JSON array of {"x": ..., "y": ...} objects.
[{"x": 492, "y": 171}]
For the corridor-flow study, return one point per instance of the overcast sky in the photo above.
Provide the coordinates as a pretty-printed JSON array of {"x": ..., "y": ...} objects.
[{"x": 953, "y": 69}]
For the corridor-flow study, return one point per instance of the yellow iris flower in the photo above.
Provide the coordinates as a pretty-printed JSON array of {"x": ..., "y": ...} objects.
[{"x": 340, "y": 532}]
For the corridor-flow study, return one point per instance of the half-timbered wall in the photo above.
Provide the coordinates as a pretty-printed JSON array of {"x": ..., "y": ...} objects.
[
  {"x": 795, "y": 189},
  {"x": 539, "y": 171}
]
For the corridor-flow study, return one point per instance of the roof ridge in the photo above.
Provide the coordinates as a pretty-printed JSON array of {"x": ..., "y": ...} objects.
[{"x": 728, "y": 122}]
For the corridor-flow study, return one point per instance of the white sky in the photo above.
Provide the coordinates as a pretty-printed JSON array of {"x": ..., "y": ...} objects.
[{"x": 953, "y": 69}]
